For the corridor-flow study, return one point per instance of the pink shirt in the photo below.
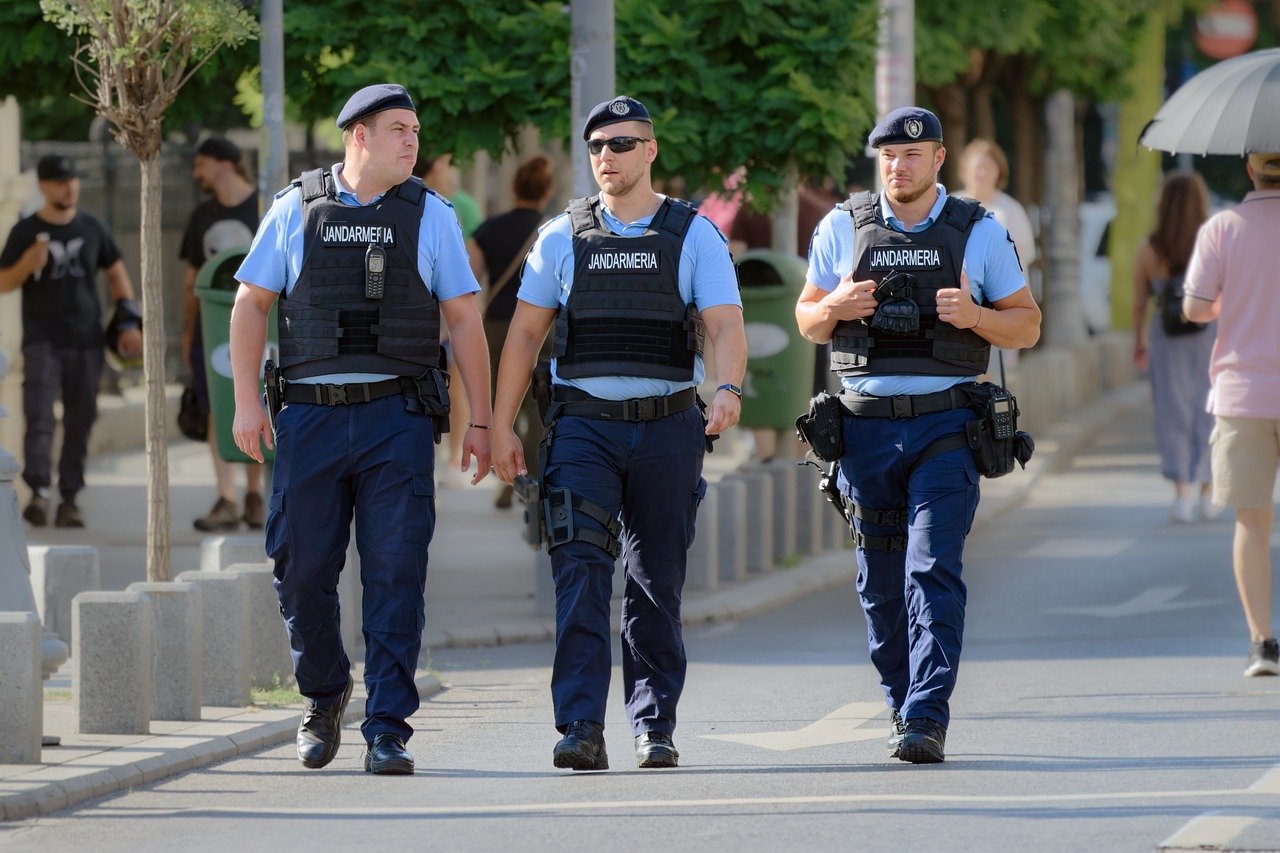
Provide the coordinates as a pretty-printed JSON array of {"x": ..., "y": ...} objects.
[{"x": 1237, "y": 264}]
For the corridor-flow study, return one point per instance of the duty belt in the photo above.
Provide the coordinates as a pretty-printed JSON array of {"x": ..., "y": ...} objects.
[
  {"x": 579, "y": 404},
  {"x": 341, "y": 395},
  {"x": 904, "y": 405}
]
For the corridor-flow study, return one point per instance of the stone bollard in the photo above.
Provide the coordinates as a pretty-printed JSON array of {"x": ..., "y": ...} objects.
[
  {"x": 177, "y": 639},
  {"x": 351, "y": 602},
  {"x": 224, "y": 662},
  {"x": 702, "y": 570},
  {"x": 218, "y": 552},
  {"x": 782, "y": 472},
  {"x": 835, "y": 530},
  {"x": 811, "y": 504},
  {"x": 544, "y": 584},
  {"x": 111, "y": 663},
  {"x": 731, "y": 526},
  {"x": 21, "y": 693},
  {"x": 58, "y": 574},
  {"x": 269, "y": 659},
  {"x": 759, "y": 530}
]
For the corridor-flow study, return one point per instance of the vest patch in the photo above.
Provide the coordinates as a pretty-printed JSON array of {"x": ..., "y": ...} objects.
[
  {"x": 905, "y": 258},
  {"x": 616, "y": 260},
  {"x": 351, "y": 234}
]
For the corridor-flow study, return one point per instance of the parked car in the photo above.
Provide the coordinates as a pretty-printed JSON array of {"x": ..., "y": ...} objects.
[{"x": 1095, "y": 262}]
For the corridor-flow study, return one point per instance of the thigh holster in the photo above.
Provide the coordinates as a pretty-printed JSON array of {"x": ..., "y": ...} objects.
[
  {"x": 883, "y": 517},
  {"x": 558, "y": 509}
]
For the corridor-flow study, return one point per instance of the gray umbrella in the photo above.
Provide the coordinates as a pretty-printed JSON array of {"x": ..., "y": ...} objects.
[{"x": 1232, "y": 107}]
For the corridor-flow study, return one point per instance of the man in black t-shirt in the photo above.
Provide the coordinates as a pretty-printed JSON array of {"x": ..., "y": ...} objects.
[
  {"x": 226, "y": 221},
  {"x": 54, "y": 255}
]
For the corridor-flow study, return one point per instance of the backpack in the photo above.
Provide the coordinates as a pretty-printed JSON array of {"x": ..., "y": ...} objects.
[{"x": 1169, "y": 300}]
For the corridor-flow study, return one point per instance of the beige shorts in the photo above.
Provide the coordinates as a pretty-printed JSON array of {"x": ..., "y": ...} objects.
[{"x": 1245, "y": 453}]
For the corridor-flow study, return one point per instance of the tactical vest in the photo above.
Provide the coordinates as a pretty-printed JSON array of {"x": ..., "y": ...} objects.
[
  {"x": 327, "y": 324},
  {"x": 625, "y": 316},
  {"x": 934, "y": 256}
]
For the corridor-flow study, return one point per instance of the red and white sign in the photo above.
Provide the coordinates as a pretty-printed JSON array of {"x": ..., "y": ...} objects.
[{"x": 1228, "y": 28}]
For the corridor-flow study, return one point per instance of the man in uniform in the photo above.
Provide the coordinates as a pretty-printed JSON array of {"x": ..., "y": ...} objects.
[
  {"x": 631, "y": 281},
  {"x": 366, "y": 261},
  {"x": 906, "y": 471}
]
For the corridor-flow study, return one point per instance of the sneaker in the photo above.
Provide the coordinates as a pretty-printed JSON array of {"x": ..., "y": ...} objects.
[
  {"x": 68, "y": 515},
  {"x": 1264, "y": 659},
  {"x": 1183, "y": 511},
  {"x": 255, "y": 511},
  {"x": 223, "y": 518},
  {"x": 923, "y": 742},
  {"x": 897, "y": 731},
  {"x": 37, "y": 512},
  {"x": 1209, "y": 510}
]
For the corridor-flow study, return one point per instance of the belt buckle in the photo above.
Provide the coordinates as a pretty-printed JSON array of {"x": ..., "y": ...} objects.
[
  {"x": 647, "y": 409},
  {"x": 337, "y": 395},
  {"x": 901, "y": 406}
]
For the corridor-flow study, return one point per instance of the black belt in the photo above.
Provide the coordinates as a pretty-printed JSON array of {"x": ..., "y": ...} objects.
[
  {"x": 579, "y": 404},
  {"x": 904, "y": 405},
  {"x": 341, "y": 395}
]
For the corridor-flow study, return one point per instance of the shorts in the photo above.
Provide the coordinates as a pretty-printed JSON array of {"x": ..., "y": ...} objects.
[{"x": 1245, "y": 453}]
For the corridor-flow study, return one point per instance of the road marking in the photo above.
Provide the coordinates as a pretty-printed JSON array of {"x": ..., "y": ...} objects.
[
  {"x": 1154, "y": 600},
  {"x": 840, "y": 726},
  {"x": 1269, "y": 783},
  {"x": 1209, "y": 831},
  {"x": 1080, "y": 548}
]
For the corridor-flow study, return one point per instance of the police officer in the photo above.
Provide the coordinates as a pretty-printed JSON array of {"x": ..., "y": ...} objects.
[
  {"x": 904, "y": 358},
  {"x": 631, "y": 280},
  {"x": 365, "y": 260}
]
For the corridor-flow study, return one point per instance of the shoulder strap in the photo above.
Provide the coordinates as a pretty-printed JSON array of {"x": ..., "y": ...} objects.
[
  {"x": 674, "y": 216},
  {"x": 582, "y": 214},
  {"x": 862, "y": 207},
  {"x": 509, "y": 273},
  {"x": 411, "y": 191},
  {"x": 315, "y": 184},
  {"x": 960, "y": 212}
]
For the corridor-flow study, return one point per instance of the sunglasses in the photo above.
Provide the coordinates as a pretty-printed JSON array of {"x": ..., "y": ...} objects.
[{"x": 618, "y": 144}]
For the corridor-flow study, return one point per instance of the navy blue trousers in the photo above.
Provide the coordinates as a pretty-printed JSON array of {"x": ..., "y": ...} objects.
[
  {"x": 374, "y": 461},
  {"x": 651, "y": 474},
  {"x": 914, "y": 600}
]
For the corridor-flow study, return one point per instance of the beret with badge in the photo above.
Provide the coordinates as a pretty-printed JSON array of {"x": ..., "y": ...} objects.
[
  {"x": 612, "y": 111},
  {"x": 375, "y": 99},
  {"x": 904, "y": 126}
]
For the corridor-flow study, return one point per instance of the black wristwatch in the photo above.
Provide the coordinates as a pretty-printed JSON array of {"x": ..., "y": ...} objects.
[{"x": 731, "y": 388}]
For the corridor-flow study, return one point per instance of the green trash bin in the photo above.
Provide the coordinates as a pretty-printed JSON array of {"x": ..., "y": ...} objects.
[
  {"x": 779, "y": 377},
  {"x": 216, "y": 287}
]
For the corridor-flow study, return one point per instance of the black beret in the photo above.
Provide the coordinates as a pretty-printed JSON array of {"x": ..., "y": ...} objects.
[
  {"x": 219, "y": 148},
  {"x": 906, "y": 125},
  {"x": 55, "y": 167},
  {"x": 375, "y": 99},
  {"x": 612, "y": 111}
]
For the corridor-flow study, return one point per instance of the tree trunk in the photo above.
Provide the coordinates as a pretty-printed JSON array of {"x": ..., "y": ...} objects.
[
  {"x": 786, "y": 217},
  {"x": 1027, "y": 151},
  {"x": 984, "y": 116},
  {"x": 949, "y": 101},
  {"x": 158, "y": 568},
  {"x": 1063, "y": 310}
]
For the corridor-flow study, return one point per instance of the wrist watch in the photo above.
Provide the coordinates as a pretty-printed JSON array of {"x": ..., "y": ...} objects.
[{"x": 733, "y": 389}]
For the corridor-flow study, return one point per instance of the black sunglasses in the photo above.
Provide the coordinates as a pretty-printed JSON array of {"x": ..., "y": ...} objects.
[{"x": 618, "y": 144}]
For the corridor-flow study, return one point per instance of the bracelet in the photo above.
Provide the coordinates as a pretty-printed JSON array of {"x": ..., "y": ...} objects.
[
  {"x": 978, "y": 322},
  {"x": 476, "y": 426},
  {"x": 732, "y": 389}
]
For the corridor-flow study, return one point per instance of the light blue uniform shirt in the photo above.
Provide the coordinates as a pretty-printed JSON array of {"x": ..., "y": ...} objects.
[
  {"x": 275, "y": 256},
  {"x": 989, "y": 259},
  {"x": 707, "y": 278}
]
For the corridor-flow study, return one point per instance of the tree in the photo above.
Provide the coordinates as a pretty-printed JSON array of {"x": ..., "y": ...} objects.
[{"x": 133, "y": 58}]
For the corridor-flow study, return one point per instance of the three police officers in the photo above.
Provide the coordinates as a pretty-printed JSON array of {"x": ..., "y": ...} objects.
[
  {"x": 912, "y": 287},
  {"x": 631, "y": 281},
  {"x": 365, "y": 261}
]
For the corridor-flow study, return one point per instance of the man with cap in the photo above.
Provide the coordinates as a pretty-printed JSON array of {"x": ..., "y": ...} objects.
[
  {"x": 1234, "y": 277},
  {"x": 54, "y": 255},
  {"x": 632, "y": 281},
  {"x": 906, "y": 360},
  {"x": 366, "y": 261},
  {"x": 228, "y": 220}
]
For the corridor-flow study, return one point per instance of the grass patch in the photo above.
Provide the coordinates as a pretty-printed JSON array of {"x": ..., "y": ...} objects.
[
  {"x": 278, "y": 695},
  {"x": 58, "y": 696}
]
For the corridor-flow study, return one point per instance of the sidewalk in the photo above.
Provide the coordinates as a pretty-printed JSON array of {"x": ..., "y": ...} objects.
[{"x": 481, "y": 590}]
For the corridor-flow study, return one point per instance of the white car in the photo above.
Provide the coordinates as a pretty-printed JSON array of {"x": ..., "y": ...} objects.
[{"x": 1095, "y": 262}]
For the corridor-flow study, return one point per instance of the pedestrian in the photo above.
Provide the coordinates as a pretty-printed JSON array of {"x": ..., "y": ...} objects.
[
  {"x": 1233, "y": 277},
  {"x": 631, "y": 281},
  {"x": 368, "y": 261},
  {"x": 1178, "y": 359},
  {"x": 984, "y": 173},
  {"x": 228, "y": 220},
  {"x": 497, "y": 249},
  {"x": 907, "y": 362},
  {"x": 55, "y": 255}
]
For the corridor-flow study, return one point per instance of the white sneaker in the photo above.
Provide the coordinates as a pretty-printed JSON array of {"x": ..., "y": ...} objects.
[
  {"x": 1209, "y": 510},
  {"x": 1183, "y": 511}
]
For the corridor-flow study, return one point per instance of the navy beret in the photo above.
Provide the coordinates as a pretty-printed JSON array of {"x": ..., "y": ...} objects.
[
  {"x": 906, "y": 125},
  {"x": 375, "y": 99},
  {"x": 612, "y": 111}
]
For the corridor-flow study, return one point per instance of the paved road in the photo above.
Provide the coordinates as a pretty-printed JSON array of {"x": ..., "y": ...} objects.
[{"x": 1100, "y": 707}]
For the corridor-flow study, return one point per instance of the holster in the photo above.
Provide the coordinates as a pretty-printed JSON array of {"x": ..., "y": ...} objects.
[
  {"x": 273, "y": 384},
  {"x": 994, "y": 456},
  {"x": 822, "y": 427},
  {"x": 428, "y": 394}
]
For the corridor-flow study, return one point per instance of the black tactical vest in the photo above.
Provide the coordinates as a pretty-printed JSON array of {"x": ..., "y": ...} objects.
[
  {"x": 934, "y": 256},
  {"x": 327, "y": 325},
  {"x": 625, "y": 316}
]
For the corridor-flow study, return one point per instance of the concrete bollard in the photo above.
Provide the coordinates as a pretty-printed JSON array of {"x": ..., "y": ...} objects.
[
  {"x": 702, "y": 570},
  {"x": 224, "y": 662},
  {"x": 351, "y": 602},
  {"x": 58, "y": 574},
  {"x": 545, "y": 584},
  {"x": 731, "y": 526},
  {"x": 177, "y": 639},
  {"x": 782, "y": 474},
  {"x": 811, "y": 504},
  {"x": 21, "y": 692},
  {"x": 111, "y": 663},
  {"x": 218, "y": 552},
  {"x": 269, "y": 659},
  {"x": 759, "y": 530},
  {"x": 835, "y": 529}
]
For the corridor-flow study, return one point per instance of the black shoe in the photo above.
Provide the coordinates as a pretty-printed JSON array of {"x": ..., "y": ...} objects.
[
  {"x": 655, "y": 749},
  {"x": 582, "y": 747},
  {"x": 320, "y": 732},
  {"x": 897, "y": 731},
  {"x": 1264, "y": 659},
  {"x": 923, "y": 741},
  {"x": 387, "y": 756},
  {"x": 68, "y": 515},
  {"x": 37, "y": 512}
]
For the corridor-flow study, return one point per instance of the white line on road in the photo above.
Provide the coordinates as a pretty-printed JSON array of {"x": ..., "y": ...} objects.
[
  {"x": 1154, "y": 600},
  {"x": 1216, "y": 830},
  {"x": 840, "y": 726}
]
